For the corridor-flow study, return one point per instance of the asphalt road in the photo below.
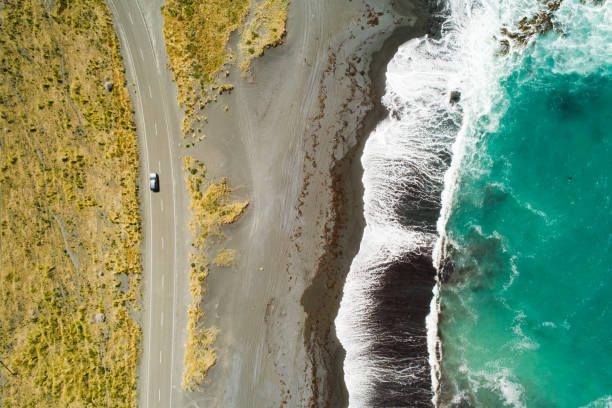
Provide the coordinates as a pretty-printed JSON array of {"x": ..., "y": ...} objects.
[{"x": 165, "y": 215}]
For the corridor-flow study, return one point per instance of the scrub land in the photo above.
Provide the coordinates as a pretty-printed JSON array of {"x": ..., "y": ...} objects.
[{"x": 70, "y": 263}]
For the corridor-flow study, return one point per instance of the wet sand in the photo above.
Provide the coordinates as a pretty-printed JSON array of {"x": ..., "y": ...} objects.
[{"x": 291, "y": 140}]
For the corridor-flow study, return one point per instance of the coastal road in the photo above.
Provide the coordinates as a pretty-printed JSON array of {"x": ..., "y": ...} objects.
[{"x": 164, "y": 215}]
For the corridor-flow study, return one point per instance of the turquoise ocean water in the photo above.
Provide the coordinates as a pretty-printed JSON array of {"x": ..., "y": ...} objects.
[{"x": 525, "y": 315}]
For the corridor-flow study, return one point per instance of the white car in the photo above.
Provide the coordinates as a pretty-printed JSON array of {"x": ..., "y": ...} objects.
[{"x": 154, "y": 182}]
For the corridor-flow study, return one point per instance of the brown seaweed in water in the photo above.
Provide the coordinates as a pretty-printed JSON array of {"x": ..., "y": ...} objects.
[{"x": 540, "y": 23}]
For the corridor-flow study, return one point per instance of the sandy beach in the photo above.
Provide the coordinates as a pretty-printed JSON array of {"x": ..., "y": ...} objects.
[{"x": 291, "y": 141}]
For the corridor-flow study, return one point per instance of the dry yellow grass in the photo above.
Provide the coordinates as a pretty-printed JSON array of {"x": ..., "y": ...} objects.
[
  {"x": 197, "y": 33},
  {"x": 200, "y": 356},
  {"x": 266, "y": 28},
  {"x": 212, "y": 208},
  {"x": 225, "y": 257},
  {"x": 70, "y": 265}
]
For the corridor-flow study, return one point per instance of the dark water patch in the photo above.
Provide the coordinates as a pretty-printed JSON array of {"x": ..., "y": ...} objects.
[{"x": 397, "y": 332}]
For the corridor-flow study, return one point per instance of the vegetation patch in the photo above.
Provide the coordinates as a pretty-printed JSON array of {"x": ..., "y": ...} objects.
[
  {"x": 197, "y": 33},
  {"x": 225, "y": 257},
  {"x": 266, "y": 28},
  {"x": 70, "y": 264},
  {"x": 212, "y": 208}
]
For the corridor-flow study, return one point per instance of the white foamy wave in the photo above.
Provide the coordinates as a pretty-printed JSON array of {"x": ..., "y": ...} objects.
[
  {"x": 473, "y": 26},
  {"x": 409, "y": 175},
  {"x": 404, "y": 161},
  {"x": 499, "y": 381},
  {"x": 523, "y": 342},
  {"x": 603, "y": 402},
  {"x": 379, "y": 247},
  {"x": 510, "y": 391},
  {"x": 585, "y": 47}
]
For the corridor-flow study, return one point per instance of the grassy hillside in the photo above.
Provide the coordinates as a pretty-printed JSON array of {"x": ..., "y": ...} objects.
[{"x": 70, "y": 265}]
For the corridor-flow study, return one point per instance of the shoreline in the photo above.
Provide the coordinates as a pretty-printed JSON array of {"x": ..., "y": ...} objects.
[
  {"x": 348, "y": 222},
  {"x": 288, "y": 140}
]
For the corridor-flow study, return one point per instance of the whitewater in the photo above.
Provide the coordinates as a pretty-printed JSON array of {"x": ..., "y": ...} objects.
[{"x": 446, "y": 96}]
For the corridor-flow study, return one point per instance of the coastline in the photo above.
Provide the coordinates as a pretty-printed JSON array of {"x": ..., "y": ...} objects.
[
  {"x": 348, "y": 220},
  {"x": 289, "y": 139},
  {"x": 388, "y": 292}
]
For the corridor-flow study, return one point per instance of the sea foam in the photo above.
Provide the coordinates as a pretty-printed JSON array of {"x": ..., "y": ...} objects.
[
  {"x": 577, "y": 46},
  {"x": 411, "y": 171},
  {"x": 404, "y": 161},
  {"x": 407, "y": 180}
]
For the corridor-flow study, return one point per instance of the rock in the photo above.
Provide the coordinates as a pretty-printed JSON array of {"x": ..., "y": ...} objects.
[
  {"x": 99, "y": 318},
  {"x": 455, "y": 96},
  {"x": 108, "y": 85}
]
